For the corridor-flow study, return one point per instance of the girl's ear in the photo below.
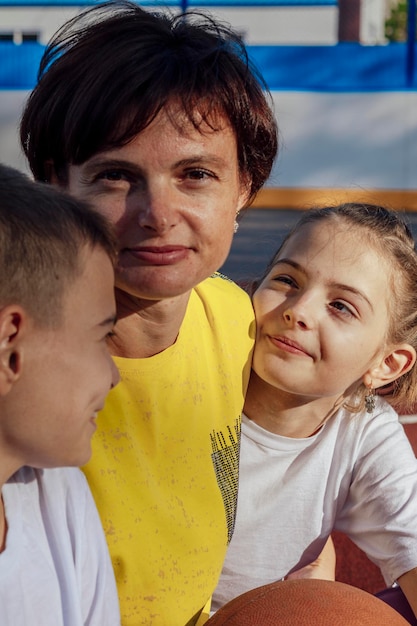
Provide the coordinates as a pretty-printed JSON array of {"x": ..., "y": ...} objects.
[
  {"x": 395, "y": 364},
  {"x": 12, "y": 321}
]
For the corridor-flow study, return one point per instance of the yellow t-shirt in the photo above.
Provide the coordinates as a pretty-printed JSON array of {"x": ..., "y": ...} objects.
[{"x": 164, "y": 467}]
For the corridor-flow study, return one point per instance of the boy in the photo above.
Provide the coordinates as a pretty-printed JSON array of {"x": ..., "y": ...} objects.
[{"x": 56, "y": 310}]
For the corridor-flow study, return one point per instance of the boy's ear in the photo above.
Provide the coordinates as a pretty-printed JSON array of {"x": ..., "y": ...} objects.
[
  {"x": 395, "y": 364},
  {"x": 12, "y": 321}
]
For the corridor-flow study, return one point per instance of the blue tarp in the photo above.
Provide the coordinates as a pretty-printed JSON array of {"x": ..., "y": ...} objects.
[
  {"x": 19, "y": 64},
  {"x": 341, "y": 67}
]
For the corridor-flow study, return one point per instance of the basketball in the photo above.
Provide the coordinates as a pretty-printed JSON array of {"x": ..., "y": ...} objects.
[{"x": 305, "y": 602}]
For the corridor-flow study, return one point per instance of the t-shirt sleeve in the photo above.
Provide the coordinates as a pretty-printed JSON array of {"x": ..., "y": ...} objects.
[
  {"x": 95, "y": 575},
  {"x": 380, "y": 512}
]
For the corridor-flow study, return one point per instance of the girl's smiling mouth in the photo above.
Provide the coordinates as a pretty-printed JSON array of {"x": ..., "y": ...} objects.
[{"x": 289, "y": 345}]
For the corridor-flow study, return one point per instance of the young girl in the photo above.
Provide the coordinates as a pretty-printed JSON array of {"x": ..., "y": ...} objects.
[{"x": 321, "y": 450}]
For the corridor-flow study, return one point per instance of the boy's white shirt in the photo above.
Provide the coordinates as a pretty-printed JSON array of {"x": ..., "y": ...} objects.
[
  {"x": 55, "y": 569},
  {"x": 358, "y": 474}
]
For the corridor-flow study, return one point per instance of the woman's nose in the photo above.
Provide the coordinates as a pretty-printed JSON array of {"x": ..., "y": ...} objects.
[{"x": 158, "y": 211}]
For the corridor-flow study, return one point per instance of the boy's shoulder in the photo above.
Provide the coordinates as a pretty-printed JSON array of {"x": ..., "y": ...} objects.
[
  {"x": 54, "y": 490},
  {"x": 56, "y": 553},
  {"x": 63, "y": 477},
  {"x": 40, "y": 501}
]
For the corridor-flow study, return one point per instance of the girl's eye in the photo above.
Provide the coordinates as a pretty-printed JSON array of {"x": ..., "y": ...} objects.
[
  {"x": 285, "y": 279},
  {"x": 342, "y": 308}
]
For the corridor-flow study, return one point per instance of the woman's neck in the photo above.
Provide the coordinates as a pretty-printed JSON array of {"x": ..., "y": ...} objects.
[
  {"x": 145, "y": 328},
  {"x": 286, "y": 414}
]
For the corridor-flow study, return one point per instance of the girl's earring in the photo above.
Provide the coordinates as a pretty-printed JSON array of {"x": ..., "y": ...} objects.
[{"x": 370, "y": 400}]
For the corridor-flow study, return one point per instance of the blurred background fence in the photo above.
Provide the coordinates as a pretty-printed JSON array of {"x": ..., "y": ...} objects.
[{"x": 342, "y": 75}]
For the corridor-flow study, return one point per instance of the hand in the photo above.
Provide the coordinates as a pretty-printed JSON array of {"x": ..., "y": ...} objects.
[
  {"x": 408, "y": 583},
  {"x": 324, "y": 567}
]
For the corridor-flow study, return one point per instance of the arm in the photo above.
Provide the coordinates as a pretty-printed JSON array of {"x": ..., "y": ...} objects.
[
  {"x": 380, "y": 511},
  {"x": 408, "y": 583},
  {"x": 324, "y": 567}
]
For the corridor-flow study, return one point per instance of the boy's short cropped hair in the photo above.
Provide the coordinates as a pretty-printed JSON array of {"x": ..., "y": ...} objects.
[{"x": 42, "y": 233}]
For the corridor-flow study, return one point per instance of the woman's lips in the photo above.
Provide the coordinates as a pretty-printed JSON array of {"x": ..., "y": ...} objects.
[{"x": 159, "y": 255}]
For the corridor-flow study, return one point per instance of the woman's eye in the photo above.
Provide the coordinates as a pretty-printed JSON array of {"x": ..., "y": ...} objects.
[
  {"x": 199, "y": 174},
  {"x": 112, "y": 175}
]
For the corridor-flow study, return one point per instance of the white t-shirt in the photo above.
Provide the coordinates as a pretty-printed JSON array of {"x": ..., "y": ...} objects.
[
  {"x": 358, "y": 474},
  {"x": 55, "y": 569}
]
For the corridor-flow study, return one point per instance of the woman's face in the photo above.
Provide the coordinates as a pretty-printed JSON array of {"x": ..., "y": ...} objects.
[{"x": 172, "y": 193}]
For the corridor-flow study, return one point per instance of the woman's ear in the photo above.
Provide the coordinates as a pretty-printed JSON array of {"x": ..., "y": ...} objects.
[
  {"x": 244, "y": 199},
  {"x": 395, "y": 364},
  {"x": 12, "y": 322}
]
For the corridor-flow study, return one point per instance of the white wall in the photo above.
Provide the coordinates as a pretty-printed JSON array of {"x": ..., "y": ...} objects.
[
  {"x": 45, "y": 20},
  {"x": 347, "y": 140},
  {"x": 373, "y": 15},
  {"x": 286, "y": 25},
  {"x": 11, "y": 103},
  {"x": 366, "y": 140}
]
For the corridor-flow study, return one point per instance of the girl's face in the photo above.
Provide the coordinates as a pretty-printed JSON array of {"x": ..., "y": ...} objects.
[{"x": 322, "y": 312}]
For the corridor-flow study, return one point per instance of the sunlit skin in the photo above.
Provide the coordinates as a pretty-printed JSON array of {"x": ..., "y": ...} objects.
[
  {"x": 50, "y": 400},
  {"x": 322, "y": 320},
  {"x": 173, "y": 194}
]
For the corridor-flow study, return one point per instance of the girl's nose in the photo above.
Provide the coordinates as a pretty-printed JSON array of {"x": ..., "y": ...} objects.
[{"x": 297, "y": 316}]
